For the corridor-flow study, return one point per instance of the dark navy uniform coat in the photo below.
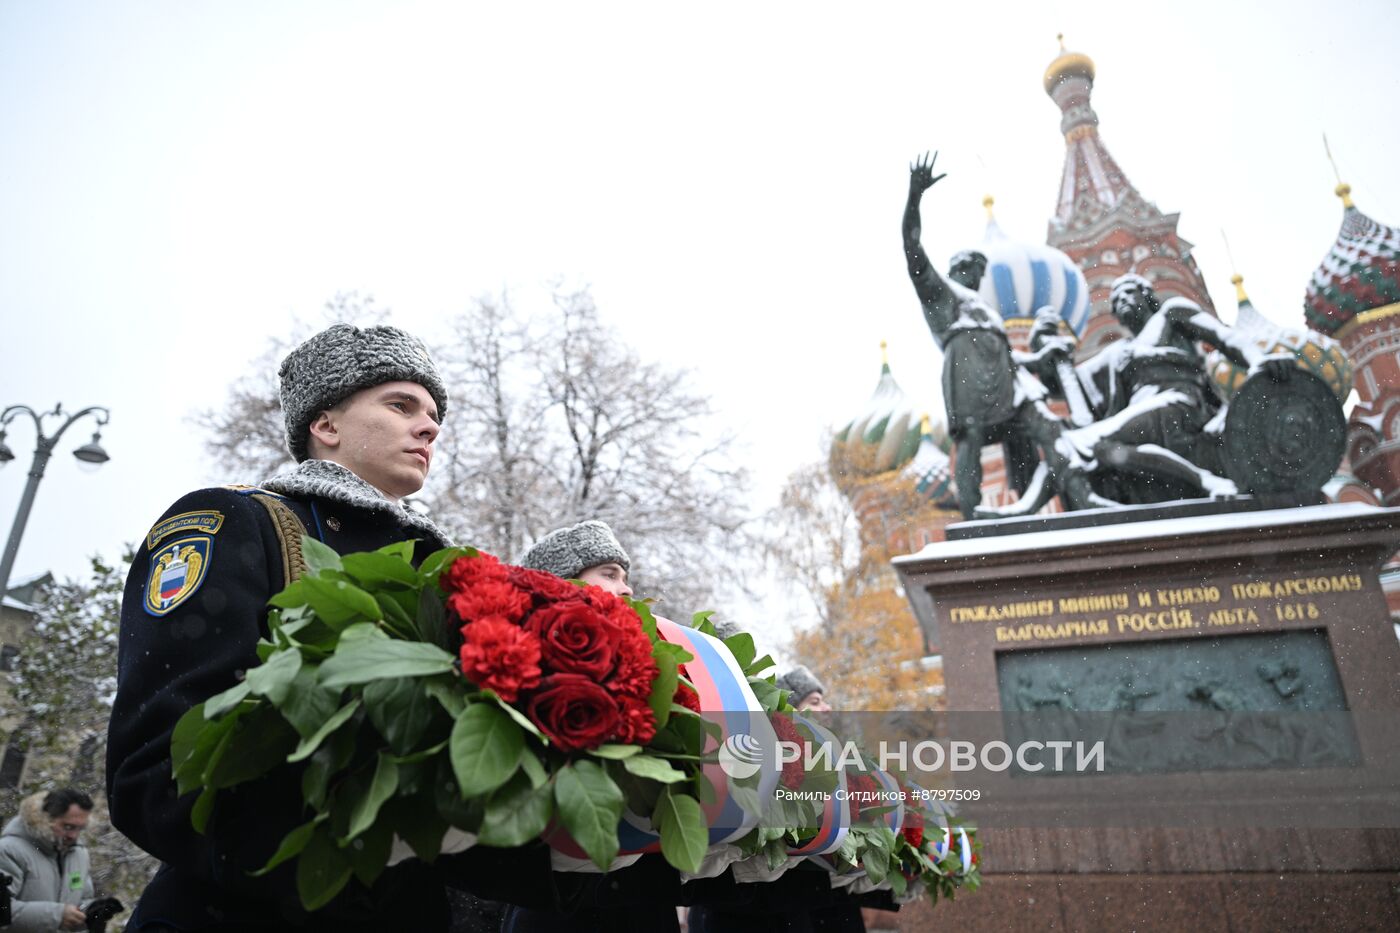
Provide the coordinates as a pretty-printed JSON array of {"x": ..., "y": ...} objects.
[{"x": 194, "y": 608}]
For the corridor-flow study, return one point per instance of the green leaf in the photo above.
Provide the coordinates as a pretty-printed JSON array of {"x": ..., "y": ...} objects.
[
  {"x": 311, "y": 743},
  {"x": 448, "y": 695},
  {"x": 532, "y": 768},
  {"x": 521, "y": 719},
  {"x": 741, "y": 646},
  {"x": 338, "y": 602},
  {"x": 418, "y": 823},
  {"x": 273, "y": 679},
  {"x": 322, "y": 870},
  {"x": 431, "y": 618},
  {"x": 767, "y": 694},
  {"x": 485, "y": 749},
  {"x": 401, "y": 710},
  {"x": 308, "y": 704},
  {"x": 292, "y": 845},
  {"x": 291, "y": 596},
  {"x": 203, "y": 809},
  {"x": 590, "y": 806},
  {"x": 664, "y": 687},
  {"x": 192, "y": 737},
  {"x": 437, "y": 561},
  {"x": 396, "y": 614},
  {"x": 369, "y": 852},
  {"x": 615, "y": 752},
  {"x": 381, "y": 788},
  {"x": 319, "y": 556},
  {"x": 700, "y": 621},
  {"x": 221, "y": 703},
  {"x": 258, "y": 744},
  {"x": 516, "y": 813},
  {"x": 654, "y": 769},
  {"x": 759, "y": 666},
  {"x": 363, "y": 661},
  {"x": 684, "y": 835},
  {"x": 330, "y": 758},
  {"x": 643, "y": 610},
  {"x": 423, "y": 754},
  {"x": 372, "y": 569}
]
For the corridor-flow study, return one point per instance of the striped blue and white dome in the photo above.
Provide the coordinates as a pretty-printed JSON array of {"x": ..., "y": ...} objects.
[{"x": 1021, "y": 278}]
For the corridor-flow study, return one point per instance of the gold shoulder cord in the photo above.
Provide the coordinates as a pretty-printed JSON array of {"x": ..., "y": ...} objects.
[{"x": 289, "y": 531}]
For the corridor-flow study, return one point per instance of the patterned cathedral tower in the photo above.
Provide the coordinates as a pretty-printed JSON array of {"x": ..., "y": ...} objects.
[
  {"x": 1354, "y": 296},
  {"x": 1101, "y": 221}
]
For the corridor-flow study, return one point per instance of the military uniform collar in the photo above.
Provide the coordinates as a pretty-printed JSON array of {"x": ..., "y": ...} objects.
[{"x": 327, "y": 480}]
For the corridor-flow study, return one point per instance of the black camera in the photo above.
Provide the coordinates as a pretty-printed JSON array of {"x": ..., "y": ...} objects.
[{"x": 98, "y": 912}]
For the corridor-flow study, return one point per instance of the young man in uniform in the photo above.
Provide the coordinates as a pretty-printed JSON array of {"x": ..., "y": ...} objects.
[{"x": 362, "y": 410}]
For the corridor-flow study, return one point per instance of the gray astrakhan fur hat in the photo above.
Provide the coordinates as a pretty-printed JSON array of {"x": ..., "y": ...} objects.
[
  {"x": 800, "y": 683},
  {"x": 568, "y": 552},
  {"x": 340, "y": 361}
]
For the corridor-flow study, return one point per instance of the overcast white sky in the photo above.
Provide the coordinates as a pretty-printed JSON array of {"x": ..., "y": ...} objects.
[{"x": 179, "y": 178}]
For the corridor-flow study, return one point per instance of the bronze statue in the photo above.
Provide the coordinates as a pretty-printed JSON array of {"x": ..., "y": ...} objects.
[
  {"x": 1157, "y": 432},
  {"x": 987, "y": 397}
]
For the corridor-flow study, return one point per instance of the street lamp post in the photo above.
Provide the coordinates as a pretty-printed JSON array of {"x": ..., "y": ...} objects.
[{"x": 90, "y": 452}]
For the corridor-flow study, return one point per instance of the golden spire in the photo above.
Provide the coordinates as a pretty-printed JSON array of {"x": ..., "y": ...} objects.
[
  {"x": 1068, "y": 63},
  {"x": 925, "y": 425},
  {"x": 1343, "y": 190},
  {"x": 884, "y": 353},
  {"x": 987, "y": 202},
  {"x": 1236, "y": 279}
]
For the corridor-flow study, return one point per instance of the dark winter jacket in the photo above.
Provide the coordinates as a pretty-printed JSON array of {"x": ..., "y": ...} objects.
[
  {"x": 194, "y": 608},
  {"x": 42, "y": 880}
]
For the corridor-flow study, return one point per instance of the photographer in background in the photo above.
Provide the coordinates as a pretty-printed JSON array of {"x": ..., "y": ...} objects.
[{"x": 47, "y": 866}]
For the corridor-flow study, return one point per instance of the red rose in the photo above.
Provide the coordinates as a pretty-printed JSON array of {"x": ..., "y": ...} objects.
[
  {"x": 499, "y": 656},
  {"x": 793, "y": 775},
  {"x": 489, "y": 598},
  {"x": 464, "y": 572},
  {"x": 545, "y": 587},
  {"x": 574, "y": 638},
  {"x": 574, "y": 712},
  {"x": 635, "y": 670},
  {"x": 638, "y": 723}
]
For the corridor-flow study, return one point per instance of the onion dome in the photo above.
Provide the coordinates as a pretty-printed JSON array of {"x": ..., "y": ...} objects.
[
  {"x": 1068, "y": 65},
  {"x": 884, "y": 435},
  {"x": 931, "y": 469},
  {"x": 1360, "y": 275},
  {"x": 1023, "y": 277},
  {"x": 1317, "y": 353}
]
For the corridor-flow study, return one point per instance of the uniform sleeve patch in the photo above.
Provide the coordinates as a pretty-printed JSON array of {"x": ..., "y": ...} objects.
[
  {"x": 206, "y": 521},
  {"x": 177, "y": 570}
]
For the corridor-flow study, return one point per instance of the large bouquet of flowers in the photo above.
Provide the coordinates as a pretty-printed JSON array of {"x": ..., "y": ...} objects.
[{"x": 464, "y": 701}]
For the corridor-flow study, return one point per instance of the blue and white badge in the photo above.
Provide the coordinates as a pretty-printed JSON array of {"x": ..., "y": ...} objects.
[{"x": 177, "y": 570}]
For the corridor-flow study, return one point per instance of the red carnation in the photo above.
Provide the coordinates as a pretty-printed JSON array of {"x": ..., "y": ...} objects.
[
  {"x": 687, "y": 697},
  {"x": 499, "y": 656},
  {"x": 465, "y": 572},
  {"x": 545, "y": 587},
  {"x": 913, "y": 830},
  {"x": 489, "y": 598},
  {"x": 793, "y": 774},
  {"x": 635, "y": 670},
  {"x": 574, "y": 638},
  {"x": 861, "y": 786},
  {"x": 574, "y": 712},
  {"x": 638, "y": 722}
]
